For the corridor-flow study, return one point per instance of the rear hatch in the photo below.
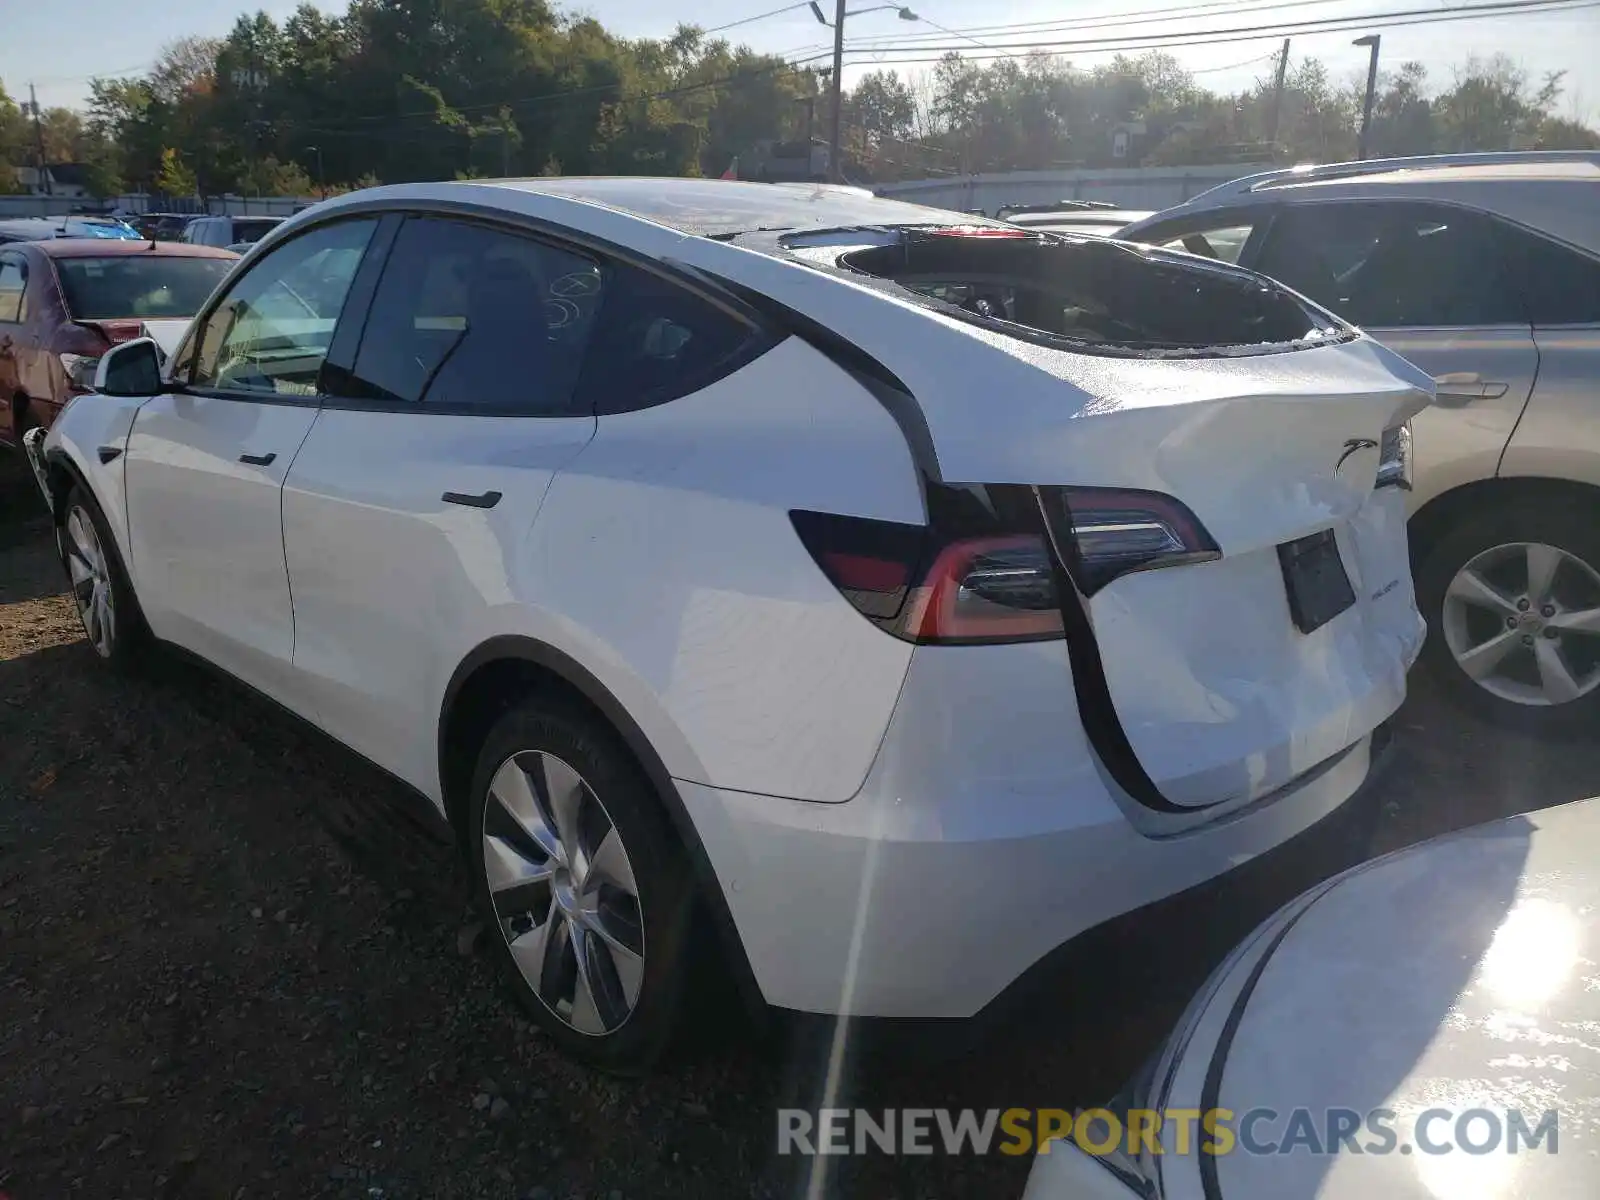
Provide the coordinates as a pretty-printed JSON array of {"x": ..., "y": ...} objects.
[{"x": 1204, "y": 448}]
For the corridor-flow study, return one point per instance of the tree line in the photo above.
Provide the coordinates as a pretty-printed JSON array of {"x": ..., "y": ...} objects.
[{"x": 396, "y": 90}]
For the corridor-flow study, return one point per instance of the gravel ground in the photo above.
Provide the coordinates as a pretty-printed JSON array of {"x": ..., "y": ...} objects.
[{"x": 228, "y": 968}]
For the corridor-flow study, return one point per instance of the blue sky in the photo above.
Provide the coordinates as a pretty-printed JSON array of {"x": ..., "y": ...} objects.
[{"x": 60, "y": 48}]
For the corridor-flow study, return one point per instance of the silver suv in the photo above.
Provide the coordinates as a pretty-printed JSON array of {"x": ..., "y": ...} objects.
[{"x": 1484, "y": 270}]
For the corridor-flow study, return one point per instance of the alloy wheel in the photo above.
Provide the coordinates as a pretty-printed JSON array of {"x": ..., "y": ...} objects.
[
  {"x": 91, "y": 578},
  {"x": 563, "y": 892},
  {"x": 1522, "y": 620}
]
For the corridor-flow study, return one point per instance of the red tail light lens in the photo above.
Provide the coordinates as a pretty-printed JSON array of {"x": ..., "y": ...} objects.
[
  {"x": 923, "y": 587},
  {"x": 987, "y": 590},
  {"x": 1105, "y": 533}
]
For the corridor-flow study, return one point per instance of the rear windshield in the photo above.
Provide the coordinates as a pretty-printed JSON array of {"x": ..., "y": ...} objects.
[
  {"x": 1098, "y": 294},
  {"x": 144, "y": 285}
]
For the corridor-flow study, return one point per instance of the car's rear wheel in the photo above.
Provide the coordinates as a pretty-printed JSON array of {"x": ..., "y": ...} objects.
[
  {"x": 585, "y": 888},
  {"x": 1512, "y": 599},
  {"x": 99, "y": 585}
]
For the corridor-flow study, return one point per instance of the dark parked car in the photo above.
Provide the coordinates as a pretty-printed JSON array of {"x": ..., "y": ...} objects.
[
  {"x": 165, "y": 227},
  {"x": 65, "y": 301}
]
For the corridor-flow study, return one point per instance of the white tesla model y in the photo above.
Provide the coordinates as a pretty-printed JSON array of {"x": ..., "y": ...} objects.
[{"x": 901, "y": 593}]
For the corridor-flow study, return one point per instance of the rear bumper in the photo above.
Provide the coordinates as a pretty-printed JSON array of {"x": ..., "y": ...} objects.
[{"x": 894, "y": 907}]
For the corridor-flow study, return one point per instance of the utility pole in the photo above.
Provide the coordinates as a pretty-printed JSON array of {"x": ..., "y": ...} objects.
[
  {"x": 1372, "y": 40},
  {"x": 322, "y": 187},
  {"x": 1277, "y": 94},
  {"x": 835, "y": 167},
  {"x": 811, "y": 129},
  {"x": 38, "y": 138}
]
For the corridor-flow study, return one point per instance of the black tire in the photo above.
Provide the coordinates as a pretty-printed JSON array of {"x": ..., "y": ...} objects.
[
  {"x": 129, "y": 637},
  {"x": 1572, "y": 528},
  {"x": 560, "y": 727}
]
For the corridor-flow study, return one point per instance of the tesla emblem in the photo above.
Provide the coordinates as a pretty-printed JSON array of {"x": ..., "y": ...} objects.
[{"x": 1352, "y": 446}]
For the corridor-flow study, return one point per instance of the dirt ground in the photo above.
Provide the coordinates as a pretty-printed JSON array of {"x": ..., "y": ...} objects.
[{"x": 229, "y": 969}]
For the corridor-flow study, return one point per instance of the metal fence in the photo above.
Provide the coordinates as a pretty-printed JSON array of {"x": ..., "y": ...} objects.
[{"x": 139, "y": 202}]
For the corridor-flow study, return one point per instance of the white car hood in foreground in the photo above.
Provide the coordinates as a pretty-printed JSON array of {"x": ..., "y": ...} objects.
[{"x": 1456, "y": 975}]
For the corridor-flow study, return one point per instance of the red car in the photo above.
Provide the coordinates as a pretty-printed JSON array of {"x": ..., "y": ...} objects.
[{"x": 65, "y": 301}]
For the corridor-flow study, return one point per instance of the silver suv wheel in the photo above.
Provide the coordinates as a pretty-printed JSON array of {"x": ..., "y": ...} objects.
[
  {"x": 1522, "y": 620},
  {"x": 563, "y": 892},
  {"x": 90, "y": 575}
]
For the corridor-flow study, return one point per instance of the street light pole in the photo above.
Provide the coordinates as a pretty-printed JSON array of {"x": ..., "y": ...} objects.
[
  {"x": 1372, "y": 40},
  {"x": 835, "y": 167}
]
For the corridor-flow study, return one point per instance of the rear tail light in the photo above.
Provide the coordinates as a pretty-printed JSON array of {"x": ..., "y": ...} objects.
[
  {"x": 1000, "y": 589},
  {"x": 1394, "y": 458},
  {"x": 964, "y": 585},
  {"x": 1105, "y": 533}
]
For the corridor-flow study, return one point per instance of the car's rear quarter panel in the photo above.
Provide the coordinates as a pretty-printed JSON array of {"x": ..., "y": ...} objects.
[{"x": 668, "y": 547}]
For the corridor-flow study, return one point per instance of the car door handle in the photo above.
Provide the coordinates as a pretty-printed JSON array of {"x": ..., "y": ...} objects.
[
  {"x": 484, "y": 500},
  {"x": 258, "y": 460},
  {"x": 1463, "y": 387}
]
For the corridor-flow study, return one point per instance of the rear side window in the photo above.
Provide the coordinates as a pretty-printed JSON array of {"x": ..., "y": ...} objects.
[
  {"x": 655, "y": 340},
  {"x": 1224, "y": 243},
  {"x": 472, "y": 318},
  {"x": 1559, "y": 286},
  {"x": 13, "y": 282},
  {"x": 1098, "y": 294},
  {"x": 1389, "y": 265},
  {"x": 253, "y": 231}
]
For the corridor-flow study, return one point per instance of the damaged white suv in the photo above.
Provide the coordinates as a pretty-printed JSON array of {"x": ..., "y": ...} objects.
[{"x": 879, "y": 597}]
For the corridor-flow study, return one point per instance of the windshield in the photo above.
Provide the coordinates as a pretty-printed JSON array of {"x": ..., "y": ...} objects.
[{"x": 104, "y": 289}]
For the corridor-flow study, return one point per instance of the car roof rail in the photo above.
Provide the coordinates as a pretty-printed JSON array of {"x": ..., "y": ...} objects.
[
  {"x": 1287, "y": 176},
  {"x": 1059, "y": 206}
]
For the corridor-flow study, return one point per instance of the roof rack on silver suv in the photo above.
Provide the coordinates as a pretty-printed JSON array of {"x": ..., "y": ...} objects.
[{"x": 1286, "y": 176}]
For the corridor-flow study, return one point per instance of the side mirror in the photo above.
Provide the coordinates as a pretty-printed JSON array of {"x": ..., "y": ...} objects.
[{"x": 131, "y": 369}]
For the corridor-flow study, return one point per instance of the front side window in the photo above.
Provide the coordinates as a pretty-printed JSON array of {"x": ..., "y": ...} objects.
[
  {"x": 13, "y": 282},
  {"x": 474, "y": 318},
  {"x": 1385, "y": 264},
  {"x": 271, "y": 332}
]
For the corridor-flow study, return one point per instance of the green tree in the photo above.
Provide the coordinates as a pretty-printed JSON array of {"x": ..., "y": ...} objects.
[
  {"x": 13, "y": 142},
  {"x": 174, "y": 178}
]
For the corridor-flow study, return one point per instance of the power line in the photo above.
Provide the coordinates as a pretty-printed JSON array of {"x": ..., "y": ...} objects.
[
  {"x": 952, "y": 32},
  {"x": 758, "y": 17},
  {"x": 1149, "y": 16},
  {"x": 912, "y": 55},
  {"x": 664, "y": 94},
  {"x": 1392, "y": 19}
]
